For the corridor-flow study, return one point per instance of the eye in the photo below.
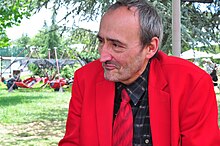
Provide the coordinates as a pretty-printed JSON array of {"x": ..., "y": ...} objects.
[
  {"x": 100, "y": 42},
  {"x": 100, "y": 39},
  {"x": 115, "y": 45}
]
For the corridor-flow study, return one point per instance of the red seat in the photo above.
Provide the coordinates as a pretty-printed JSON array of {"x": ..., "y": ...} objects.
[
  {"x": 28, "y": 83},
  {"x": 56, "y": 84}
]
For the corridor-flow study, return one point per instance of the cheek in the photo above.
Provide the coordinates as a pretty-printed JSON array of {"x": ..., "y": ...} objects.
[
  {"x": 128, "y": 58},
  {"x": 99, "y": 49},
  {"x": 125, "y": 60}
]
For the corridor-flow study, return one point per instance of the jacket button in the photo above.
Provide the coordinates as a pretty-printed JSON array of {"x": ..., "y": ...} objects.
[{"x": 147, "y": 141}]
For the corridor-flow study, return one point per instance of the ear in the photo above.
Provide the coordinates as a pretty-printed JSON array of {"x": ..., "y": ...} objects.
[{"x": 152, "y": 47}]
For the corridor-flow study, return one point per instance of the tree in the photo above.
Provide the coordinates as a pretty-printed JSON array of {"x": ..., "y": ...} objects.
[
  {"x": 47, "y": 39},
  {"x": 201, "y": 26},
  {"x": 23, "y": 41},
  {"x": 11, "y": 13},
  {"x": 86, "y": 38},
  {"x": 194, "y": 31}
]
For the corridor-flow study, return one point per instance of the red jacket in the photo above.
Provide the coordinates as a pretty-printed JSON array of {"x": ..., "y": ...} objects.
[{"x": 182, "y": 101}]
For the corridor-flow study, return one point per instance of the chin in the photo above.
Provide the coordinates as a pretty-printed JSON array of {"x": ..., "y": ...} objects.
[
  {"x": 113, "y": 78},
  {"x": 110, "y": 77}
]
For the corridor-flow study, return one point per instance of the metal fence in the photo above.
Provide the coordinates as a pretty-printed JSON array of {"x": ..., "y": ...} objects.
[{"x": 12, "y": 52}]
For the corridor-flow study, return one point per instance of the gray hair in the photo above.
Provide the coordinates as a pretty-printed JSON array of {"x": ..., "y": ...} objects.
[{"x": 150, "y": 21}]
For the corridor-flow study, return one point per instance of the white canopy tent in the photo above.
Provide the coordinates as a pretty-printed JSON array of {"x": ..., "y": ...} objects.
[
  {"x": 216, "y": 56},
  {"x": 193, "y": 54}
]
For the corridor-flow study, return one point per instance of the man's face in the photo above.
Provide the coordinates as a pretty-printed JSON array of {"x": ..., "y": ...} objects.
[{"x": 121, "y": 53}]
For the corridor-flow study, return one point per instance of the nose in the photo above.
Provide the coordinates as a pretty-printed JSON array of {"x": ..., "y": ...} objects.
[{"x": 105, "y": 55}]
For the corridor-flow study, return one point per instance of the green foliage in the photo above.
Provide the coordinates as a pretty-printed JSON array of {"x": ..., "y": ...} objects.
[
  {"x": 48, "y": 39},
  {"x": 89, "y": 56},
  {"x": 23, "y": 41},
  {"x": 4, "y": 40},
  {"x": 35, "y": 69},
  {"x": 194, "y": 30},
  {"x": 11, "y": 13},
  {"x": 89, "y": 39},
  {"x": 67, "y": 72}
]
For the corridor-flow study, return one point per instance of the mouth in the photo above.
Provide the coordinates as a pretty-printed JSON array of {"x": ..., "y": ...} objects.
[{"x": 109, "y": 66}]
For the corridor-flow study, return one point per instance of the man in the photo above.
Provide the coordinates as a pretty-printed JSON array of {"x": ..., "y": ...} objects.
[{"x": 171, "y": 105}]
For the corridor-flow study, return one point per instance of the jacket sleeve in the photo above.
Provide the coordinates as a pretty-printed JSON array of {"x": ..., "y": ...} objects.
[
  {"x": 199, "y": 119},
  {"x": 71, "y": 137}
]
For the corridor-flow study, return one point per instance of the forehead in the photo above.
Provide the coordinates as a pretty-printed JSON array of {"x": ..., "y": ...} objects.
[
  {"x": 120, "y": 21},
  {"x": 132, "y": 9},
  {"x": 122, "y": 12}
]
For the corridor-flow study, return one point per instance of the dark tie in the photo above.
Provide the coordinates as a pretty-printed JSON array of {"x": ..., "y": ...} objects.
[{"x": 123, "y": 124}]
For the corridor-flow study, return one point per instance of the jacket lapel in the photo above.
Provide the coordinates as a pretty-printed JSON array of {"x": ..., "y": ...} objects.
[
  {"x": 159, "y": 105},
  {"x": 105, "y": 92}
]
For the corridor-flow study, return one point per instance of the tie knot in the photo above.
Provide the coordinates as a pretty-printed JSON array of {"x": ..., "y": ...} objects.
[{"x": 124, "y": 96}]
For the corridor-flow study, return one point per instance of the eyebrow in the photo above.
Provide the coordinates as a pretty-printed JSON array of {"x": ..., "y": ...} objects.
[{"x": 110, "y": 39}]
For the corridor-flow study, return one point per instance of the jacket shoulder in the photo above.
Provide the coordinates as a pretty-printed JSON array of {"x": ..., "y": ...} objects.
[
  {"x": 178, "y": 64},
  {"x": 176, "y": 68},
  {"x": 91, "y": 70}
]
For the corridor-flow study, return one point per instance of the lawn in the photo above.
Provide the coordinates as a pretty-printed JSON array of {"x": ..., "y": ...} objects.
[{"x": 34, "y": 117}]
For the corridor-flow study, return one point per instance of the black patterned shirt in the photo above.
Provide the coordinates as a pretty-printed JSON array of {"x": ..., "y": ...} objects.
[{"x": 139, "y": 103}]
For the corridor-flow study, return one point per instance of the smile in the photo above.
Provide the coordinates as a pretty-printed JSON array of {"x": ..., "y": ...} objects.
[{"x": 109, "y": 66}]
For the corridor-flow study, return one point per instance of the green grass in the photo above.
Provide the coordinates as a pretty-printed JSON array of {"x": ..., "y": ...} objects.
[{"x": 32, "y": 117}]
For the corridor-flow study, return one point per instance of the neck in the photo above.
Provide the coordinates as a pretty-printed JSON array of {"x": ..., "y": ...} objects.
[{"x": 137, "y": 74}]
